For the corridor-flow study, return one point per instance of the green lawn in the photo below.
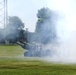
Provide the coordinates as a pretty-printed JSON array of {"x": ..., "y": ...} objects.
[
  {"x": 12, "y": 62},
  {"x": 11, "y": 51}
]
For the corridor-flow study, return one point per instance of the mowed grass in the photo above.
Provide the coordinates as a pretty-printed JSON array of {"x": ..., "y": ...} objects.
[
  {"x": 12, "y": 62},
  {"x": 11, "y": 51}
]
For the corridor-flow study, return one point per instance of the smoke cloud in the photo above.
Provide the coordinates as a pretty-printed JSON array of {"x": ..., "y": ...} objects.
[{"x": 66, "y": 30}]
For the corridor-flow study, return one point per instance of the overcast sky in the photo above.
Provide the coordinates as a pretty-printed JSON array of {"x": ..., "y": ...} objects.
[{"x": 27, "y": 10}]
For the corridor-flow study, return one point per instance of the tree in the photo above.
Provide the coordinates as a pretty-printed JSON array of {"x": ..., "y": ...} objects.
[
  {"x": 45, "y": 27},
  {"x": 14, "y": 29},
  {"x": 15, "y": 22}
]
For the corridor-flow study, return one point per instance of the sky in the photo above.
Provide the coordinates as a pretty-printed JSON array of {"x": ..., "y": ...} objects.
[
  {"x": 67, "y": 25},
  {"x": 27, "y": 10}
]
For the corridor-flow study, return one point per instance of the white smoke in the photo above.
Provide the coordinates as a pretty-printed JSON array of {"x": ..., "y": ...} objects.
[{"x": 66, "y": 28}]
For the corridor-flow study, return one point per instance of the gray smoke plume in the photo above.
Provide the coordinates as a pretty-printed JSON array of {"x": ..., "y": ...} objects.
[
  {"x": 44, "y": 39},
  {"x": 66, "y": 30}
]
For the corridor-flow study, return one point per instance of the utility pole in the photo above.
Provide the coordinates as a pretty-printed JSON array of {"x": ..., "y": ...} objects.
[{"x": 3, "y": 13}]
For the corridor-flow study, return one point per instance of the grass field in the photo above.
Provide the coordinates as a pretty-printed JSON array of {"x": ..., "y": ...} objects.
[
  {"x": 12, "y": 62},
  {"x": 11, "y": 51}
]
